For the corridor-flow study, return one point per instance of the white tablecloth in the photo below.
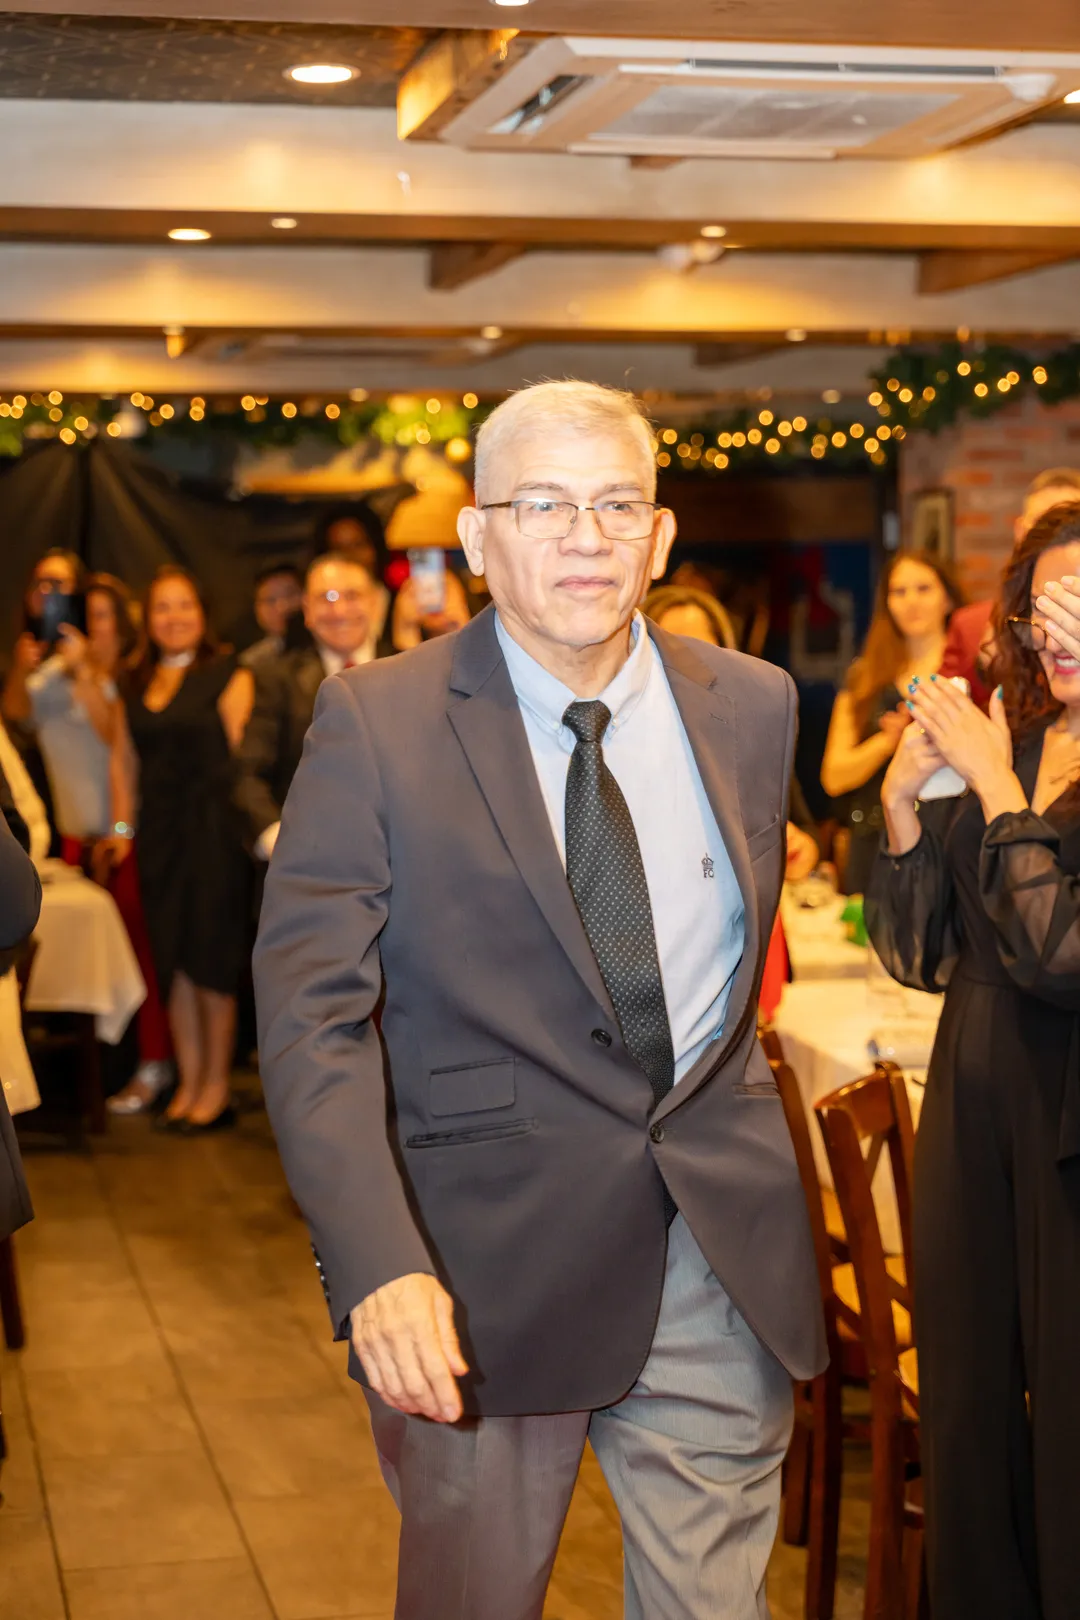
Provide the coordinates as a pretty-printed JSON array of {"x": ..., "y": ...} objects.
[
  {"x": 84, "y": 961},
  {"x": 825, "y": 1028},
  {"x": 817, "y": 942}
]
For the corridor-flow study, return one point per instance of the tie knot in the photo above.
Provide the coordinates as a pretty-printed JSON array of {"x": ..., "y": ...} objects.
[{"x": 588, "y": 721}]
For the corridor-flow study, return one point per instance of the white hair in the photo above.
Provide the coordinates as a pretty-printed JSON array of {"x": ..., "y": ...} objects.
[{"x": 587, "y": 407}]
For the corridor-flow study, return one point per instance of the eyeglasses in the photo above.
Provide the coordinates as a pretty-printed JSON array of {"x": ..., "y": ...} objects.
[
  {"x": 1030, "y": 635},
  {"x": 538, "y": 519}
]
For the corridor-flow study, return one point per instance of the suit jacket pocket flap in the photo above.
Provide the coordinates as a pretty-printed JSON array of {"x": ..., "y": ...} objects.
[
  {"x": 764, "y": 839},
  {"x": 471, "y": 1088}
]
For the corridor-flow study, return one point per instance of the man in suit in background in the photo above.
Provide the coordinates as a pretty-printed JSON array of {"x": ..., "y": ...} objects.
[
  {"x": 338, "y": 601},
  {"x": 556, "y": 839},
  {"x": 278, "y": 598}
]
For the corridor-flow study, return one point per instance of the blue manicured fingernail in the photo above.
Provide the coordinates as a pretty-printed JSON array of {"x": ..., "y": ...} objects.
[
  {"x": 1000, "y": 693},
  {"x": 933, "y": 677},
  {"x": 911, "y": 706}
]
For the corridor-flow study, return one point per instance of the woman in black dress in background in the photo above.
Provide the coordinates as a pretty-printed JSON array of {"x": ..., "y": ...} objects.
[
  {"x": 187, "y": 709},
  {"x": 980, "y": 896},
  {"x": 906, "y": 638}
]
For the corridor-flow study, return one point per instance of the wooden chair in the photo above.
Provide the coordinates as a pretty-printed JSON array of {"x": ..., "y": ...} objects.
[
  {"x": 77, "y": 1037},
  {"x": 812, "y": 1470},
  {"x": 860, "y": 1122}
]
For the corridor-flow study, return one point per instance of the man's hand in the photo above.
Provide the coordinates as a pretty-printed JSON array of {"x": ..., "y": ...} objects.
[
  {"x": 802, "y": 854},
  {"x": 404, "y": 1334}
]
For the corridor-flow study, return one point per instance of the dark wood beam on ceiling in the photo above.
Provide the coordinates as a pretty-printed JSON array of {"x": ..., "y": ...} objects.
[
  {"x": 454, "y": 264},
  {"x": 652, "y": 160},
  {"x": 449, "y": 74},
  {"x": 943, "y": 270},
  {"x": 728, "y": 354}
]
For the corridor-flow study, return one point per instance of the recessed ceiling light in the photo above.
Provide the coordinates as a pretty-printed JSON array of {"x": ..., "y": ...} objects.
[
  {"x": 831, "y": 396},
  {"x": 321, "y": 73},
  {"x": 283, "y": 223},
  {"x": 510, "y": 2},
  {"x": 491, "y": 334},
  {"x": 1072, "y": 98},
  {"x": 188, "y": 233},
  {"x": 714, "y": 231},
  {"x": 795, "y": 334}
]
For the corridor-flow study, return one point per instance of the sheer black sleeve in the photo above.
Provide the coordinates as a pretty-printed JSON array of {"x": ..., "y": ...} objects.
[
  {"x": 1034, "y": 906},
  {"x": 911, "y": 912}
]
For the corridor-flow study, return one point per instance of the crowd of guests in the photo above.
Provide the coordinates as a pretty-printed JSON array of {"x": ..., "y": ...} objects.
[
  {"x": 144, "y": 721},
  {"x": 163, "y": 758}
]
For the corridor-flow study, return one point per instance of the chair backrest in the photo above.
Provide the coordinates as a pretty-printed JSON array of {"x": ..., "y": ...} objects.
[
  {"x": 799, "y": 1125},
  {"x": 858, "y": 1122}
]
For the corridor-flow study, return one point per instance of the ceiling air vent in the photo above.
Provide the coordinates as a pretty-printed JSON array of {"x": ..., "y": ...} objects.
[{"x": 665, "y": 98}]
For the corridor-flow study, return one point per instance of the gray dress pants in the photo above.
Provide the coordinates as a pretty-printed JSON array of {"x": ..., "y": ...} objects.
[{"x": 691, "y": 1455}]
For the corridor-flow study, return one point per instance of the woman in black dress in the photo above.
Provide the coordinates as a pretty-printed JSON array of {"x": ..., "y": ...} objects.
[
  {"x": 187, "y": 709},
  {"x": 906, "y": 638},
  {"x": 980, "y": 896}
]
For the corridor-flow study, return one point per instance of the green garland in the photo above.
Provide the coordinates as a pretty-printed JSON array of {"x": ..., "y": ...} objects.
[
  {"x": 917, "y": 389},
  {"x": 930, "y": 389},
  {"x": 254, "y": 421}
]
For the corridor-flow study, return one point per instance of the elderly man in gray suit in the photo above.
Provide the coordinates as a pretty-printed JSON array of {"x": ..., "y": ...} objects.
[{"x": 558, "y": 1200}]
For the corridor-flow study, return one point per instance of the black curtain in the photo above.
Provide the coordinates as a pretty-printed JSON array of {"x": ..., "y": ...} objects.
[{"x": 127, "y": 516}]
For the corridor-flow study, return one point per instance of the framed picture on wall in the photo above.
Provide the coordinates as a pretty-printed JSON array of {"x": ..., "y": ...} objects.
[{"x": 932, "y": 525}]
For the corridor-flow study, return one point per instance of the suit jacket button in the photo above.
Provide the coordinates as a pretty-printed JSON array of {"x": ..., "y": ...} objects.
[
  {"x": 601, "y": 1037},
  {"x": 656, "y": 1132}
]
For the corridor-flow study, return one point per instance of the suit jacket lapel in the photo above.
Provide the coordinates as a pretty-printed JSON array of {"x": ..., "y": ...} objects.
[
  {"x": 484, "y": 713},
  {"x": 708, "y": 714}
]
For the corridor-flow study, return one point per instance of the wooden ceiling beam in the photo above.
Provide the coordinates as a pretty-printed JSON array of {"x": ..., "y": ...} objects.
[
  {"x": 944, "y": 270},
  {"x": 728, "y": 354},
  {"x": 449, "y": 74},
  {"x": 455, "y": 264}
]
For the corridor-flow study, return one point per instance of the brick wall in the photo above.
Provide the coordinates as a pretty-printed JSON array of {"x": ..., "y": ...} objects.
[{"x": 988, "y": 465}]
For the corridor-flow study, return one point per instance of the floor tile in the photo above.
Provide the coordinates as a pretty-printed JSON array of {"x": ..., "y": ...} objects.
[
  {"x": 86, "y": 1414},
  {"x": 29, "y": 1580},
  {"x": 271, "y": 1365},
  {"x": 106, "y": 1331},
  {"x": 219, "y": 1589},
  {"x": 325, "y": 1556},
  {"x": 138, "y": 1510},
  {"x": 269, "y": 1448},
  {"x": 20, "y": 1480}
]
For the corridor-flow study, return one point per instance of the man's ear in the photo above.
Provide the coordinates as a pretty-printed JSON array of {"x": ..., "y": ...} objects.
[
  {"x": 471, "y": 523},
  {"x": 663, "y": 542}
]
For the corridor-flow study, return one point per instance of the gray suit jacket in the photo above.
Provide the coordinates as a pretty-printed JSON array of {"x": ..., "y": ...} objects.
[{"x": 505, "y": 1139}]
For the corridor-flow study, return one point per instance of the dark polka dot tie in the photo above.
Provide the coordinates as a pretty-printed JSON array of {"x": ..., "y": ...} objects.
[{"x": 607, "y": 879}]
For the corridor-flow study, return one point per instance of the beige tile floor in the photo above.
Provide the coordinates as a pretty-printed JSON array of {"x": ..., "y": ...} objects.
[{"x": 184, "y": 1440}]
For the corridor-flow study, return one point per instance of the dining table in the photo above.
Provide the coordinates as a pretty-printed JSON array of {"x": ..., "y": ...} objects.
[
  {"x": 833, "y": 1030},
  {"x": 83, "y": 964}
]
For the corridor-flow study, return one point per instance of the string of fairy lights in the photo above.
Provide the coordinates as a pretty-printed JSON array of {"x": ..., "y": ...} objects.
[{"x": 917, "y": 389}]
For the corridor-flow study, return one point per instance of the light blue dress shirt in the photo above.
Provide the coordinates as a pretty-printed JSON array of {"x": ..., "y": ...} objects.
[{"x": 697, "y": 907}]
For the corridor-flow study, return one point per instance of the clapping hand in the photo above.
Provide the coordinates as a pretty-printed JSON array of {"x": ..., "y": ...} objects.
[
  {"x": 1060, "y": 607},
  {"x": 978, "y": 746},
  {"x": 914, "y": 763}
]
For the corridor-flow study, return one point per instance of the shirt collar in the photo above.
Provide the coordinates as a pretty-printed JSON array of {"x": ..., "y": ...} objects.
[
  {"x": 333, "y": 663},
  {"x": 547, "y": 698}
]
